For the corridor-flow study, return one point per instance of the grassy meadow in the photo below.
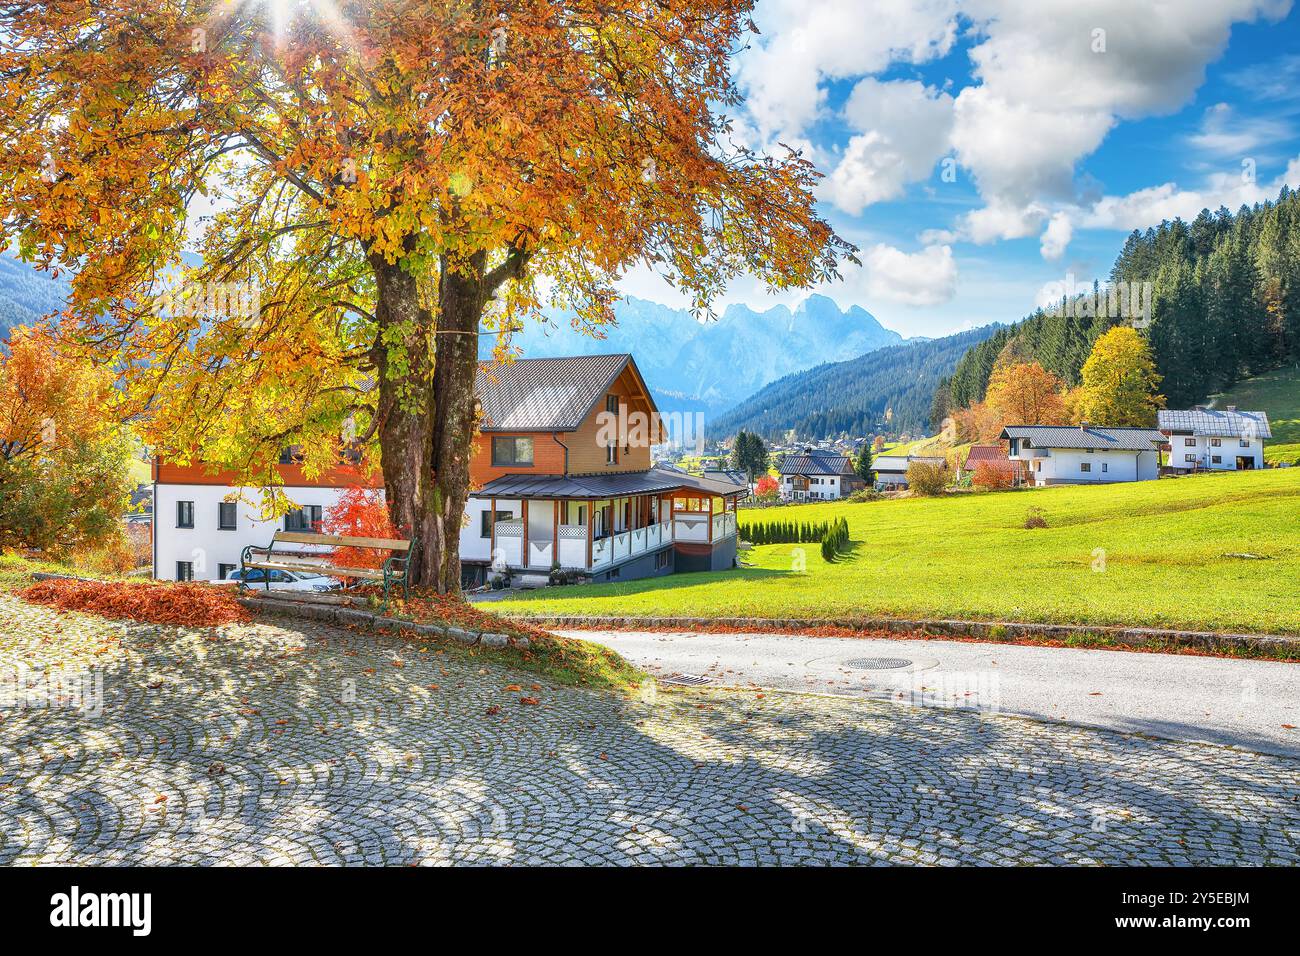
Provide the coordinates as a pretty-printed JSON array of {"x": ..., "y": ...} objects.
[
  {"x": 1156, "y": 553},
  {"x": 1278, "y": 394}
]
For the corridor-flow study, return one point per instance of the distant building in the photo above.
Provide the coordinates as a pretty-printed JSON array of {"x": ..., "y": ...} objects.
[
  {"x": 891, "y": 470},
  {"x": 816, "y": 475},
  {"x": 1083, "y": 454},
  {"x": 1208, "y": 439}
]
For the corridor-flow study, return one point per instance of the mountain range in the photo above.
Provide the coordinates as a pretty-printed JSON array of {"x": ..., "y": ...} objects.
[
  {"x": 711, "y": 366},
  {"x": 887, "y": 390}
]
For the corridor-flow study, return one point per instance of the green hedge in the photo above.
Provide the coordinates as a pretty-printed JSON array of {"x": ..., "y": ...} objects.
[{"x": 833, "y": 536}]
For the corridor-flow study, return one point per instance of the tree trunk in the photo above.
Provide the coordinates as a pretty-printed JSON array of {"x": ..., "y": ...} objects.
[
  {"x": 428, "y": 413},
  {"x": 462, "y": 298},
  {"x": 405, "y": 406}
]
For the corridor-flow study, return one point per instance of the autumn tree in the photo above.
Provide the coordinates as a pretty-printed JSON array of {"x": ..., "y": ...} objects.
[
  {"x": 63, "y": 456},
  {"x": 766, "y": 488},
  {"x": 1025, "y": 393},
  {"x": 359, "y": 513},
  {"x": 380, "y": 179},
  {"x": 1120, "y": 382}
]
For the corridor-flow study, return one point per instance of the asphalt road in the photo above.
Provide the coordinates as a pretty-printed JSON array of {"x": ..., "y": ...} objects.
[{"x": 1236, "y": 702}]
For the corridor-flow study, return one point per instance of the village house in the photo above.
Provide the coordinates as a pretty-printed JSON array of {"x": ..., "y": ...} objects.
[
  {"x": 561, "y": 477},
  {"x": 817, "y": 475},
  {"x": 891, "y": 470},
  {"x": 1085, "y": 454},
  {"x": 1205, "y": 439}
]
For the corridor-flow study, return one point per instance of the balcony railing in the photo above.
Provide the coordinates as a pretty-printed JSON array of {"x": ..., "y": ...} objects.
[{"x": 608, "y": 550}]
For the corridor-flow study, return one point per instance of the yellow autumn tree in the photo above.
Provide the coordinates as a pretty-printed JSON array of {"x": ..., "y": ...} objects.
[
  {"x": 1119, "y": 382},
  {"x": 291, "y": 221}
]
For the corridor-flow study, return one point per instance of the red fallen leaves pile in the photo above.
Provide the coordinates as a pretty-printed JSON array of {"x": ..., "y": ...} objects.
[{"x": 181, "y": 605}]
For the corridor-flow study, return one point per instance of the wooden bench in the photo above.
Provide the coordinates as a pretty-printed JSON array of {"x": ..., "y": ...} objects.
[{"x": 396, "y": 568}]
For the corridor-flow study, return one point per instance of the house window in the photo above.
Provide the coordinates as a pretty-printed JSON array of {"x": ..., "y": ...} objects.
[
  {"x": 1216, "y": 460},
  {"x": 225, "y": 570},
  {"x": 1038, "y": 465},
  {"x": 1216, "y": 442},
  {"x": 512, "y": 452},
  {"x": 184, "y": 570},
  {"x": 1105, "y": 466},
  {"x": 1191, "y": 458},
  {"x": 306, "y": 518},
  {"x": 485, "y": 521},
  {"x": 1244, "y": 443},
  {"x": 661, "y": 559},
  {"x": 1085, "y": 466},
  {"x": 291, "y": 455},
  {"x": 185, "y": 515},
  {"x": 226, "y": 516},
  {"x": 1189, "y": 442}
]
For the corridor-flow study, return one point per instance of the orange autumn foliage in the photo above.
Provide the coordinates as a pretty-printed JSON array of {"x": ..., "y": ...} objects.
[
  {"x": 182, "y": 605},
  {"x": 359, "y": 513}
]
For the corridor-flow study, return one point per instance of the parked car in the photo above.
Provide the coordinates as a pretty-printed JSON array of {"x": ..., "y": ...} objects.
[{"x": 283, "y": 580}]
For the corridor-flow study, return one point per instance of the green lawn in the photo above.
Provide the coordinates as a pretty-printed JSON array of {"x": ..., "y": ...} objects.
[
  {"x": 1278, "y": 394},
  {"x": 968, "y": 556}
]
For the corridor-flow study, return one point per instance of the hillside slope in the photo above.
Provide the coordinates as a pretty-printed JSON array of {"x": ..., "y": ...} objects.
[
  {"x": 1278, "y": 394},
  {"x": 26, "y": 295},
  {"x": 853, "y": 396}
]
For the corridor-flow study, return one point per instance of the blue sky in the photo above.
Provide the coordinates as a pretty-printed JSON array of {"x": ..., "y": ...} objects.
[{"x": 1060, "y": 126}]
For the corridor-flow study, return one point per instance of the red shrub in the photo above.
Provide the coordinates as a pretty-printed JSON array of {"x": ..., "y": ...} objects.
[
  {"x": 994, "y": 475},
  {"x": 359, "y": 513}
]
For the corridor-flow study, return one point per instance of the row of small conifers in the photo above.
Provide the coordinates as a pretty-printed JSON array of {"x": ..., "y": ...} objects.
[{"x": 832, "y": 535}]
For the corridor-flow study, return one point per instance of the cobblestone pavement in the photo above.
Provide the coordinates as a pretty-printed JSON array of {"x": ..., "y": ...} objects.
[{"x": 308, "y": 744}]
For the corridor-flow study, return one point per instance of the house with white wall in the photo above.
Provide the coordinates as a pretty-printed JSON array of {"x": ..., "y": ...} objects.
[
  {"x": 202, "y": 520},
  {"x": 817, "y": 475},
  {"x": 560, "y": 474},
  {"x": 1206, "y": 439},
  {"x": 890, "y": 471},
  {"x": 1084, "y": 454}
]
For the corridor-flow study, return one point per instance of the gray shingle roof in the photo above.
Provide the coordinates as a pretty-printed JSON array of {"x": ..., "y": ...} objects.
[
  {"x": 816, "y": 464},
  {"x": 652, "y": 481},
  {"x": 1065, "y": 436},
  {"x": 1212, "y": 421},
  {"x": 545, "y": 394}
]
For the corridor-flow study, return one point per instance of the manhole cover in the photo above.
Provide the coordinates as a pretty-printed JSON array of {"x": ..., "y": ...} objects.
[
  {"x": 878, "y": 663},
  {"x": 689, "y": 680}
]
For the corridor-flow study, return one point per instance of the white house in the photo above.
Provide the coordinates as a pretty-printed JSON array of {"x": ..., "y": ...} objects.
[
  {"x": 199, "y": 532},
  {"x": 891, "y": 470},
  {"x": 1208, "y": 439},
  {"x": 1085, "y": 454},
  {"x": 815, "y": 475}
]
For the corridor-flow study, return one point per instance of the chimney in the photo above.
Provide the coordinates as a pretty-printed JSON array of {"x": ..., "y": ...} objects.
[
  {"x": 1084, "y": 425},
  {"x": 1232, "y": 408}
]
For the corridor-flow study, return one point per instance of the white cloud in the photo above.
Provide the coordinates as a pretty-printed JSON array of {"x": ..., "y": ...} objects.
[
  {"x": 1224, "y": 133},
  {"x": 1056, "y": 237},
  {"x": 924, "y": 278},
  {"x": 1146, "y": 207},
  {"x": 805, "y": 42},
  {"x": 904, "y": 130}
]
